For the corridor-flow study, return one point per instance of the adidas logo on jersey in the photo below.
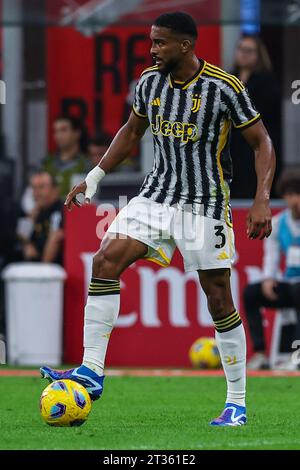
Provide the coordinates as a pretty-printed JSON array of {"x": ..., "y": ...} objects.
[
  {"x": 223, "y": 255},
  {"x": 155, "y": 102}
]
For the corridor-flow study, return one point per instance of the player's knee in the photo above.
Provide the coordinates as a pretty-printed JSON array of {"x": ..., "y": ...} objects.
[{"x": 103, "y": 266}]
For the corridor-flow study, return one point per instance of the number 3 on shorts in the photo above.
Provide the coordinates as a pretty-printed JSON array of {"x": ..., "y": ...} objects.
[{"x": 219, "y": 232}]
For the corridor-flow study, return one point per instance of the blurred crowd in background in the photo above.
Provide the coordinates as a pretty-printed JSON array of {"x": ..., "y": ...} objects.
[
  {"x": 35, "y": 223},
  {"x": 31, "y": 209}
]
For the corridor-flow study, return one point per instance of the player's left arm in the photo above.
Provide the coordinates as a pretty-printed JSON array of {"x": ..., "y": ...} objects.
[{"x": 259, "y": 220}]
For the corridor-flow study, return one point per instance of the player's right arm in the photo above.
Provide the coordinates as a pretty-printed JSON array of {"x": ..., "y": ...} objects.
[{"x": 122, "y": 146}]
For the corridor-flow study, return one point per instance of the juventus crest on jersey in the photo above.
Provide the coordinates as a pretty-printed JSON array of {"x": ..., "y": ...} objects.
[{"x": 190, "y": 123}]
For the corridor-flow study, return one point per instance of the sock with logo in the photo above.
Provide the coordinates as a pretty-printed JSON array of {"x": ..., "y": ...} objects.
[
  {"x": 231, "y": 341},
  {"x": 100, "y": 315}
]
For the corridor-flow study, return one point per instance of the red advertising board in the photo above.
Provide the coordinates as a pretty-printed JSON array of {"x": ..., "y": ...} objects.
[
  {"x": 163, "y": 310},
  {"x": 91, "y": 77}
]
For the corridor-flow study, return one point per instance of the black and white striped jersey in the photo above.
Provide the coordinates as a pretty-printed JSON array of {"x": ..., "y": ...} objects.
[{"x": 190, "y": 123}]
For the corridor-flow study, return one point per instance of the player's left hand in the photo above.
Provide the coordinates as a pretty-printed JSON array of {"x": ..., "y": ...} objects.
[{"x": 259, "y": 220}]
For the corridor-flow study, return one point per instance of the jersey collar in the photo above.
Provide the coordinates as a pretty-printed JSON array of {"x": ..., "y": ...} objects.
[{"x": 184, "y": 85}]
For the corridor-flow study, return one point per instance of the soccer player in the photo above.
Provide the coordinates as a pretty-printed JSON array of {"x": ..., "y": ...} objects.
[{"x": 189, "y": 105}]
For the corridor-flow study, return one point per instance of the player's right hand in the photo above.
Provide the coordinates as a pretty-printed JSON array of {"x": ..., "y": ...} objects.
[
  {"x": 268, "y": 289},
  {"x": 71, "y": 197},
  {"x": 88, "y": 187}
]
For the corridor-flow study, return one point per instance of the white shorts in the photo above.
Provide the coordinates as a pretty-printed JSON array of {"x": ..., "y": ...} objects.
[{"x": 203, "y": 242}]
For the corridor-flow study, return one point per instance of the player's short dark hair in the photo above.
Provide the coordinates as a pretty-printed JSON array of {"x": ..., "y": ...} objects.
[
  {"x": 178, "y": 22},
  {"x": 289, "y": 181}
]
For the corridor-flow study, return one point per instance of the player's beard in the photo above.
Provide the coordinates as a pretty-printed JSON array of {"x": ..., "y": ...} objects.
[{"x": 169, "y": 67}]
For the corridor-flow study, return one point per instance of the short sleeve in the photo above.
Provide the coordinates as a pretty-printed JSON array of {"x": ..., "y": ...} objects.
[
  {"x": 139, "y": 107},
  {"x": 241, "y": 109}
]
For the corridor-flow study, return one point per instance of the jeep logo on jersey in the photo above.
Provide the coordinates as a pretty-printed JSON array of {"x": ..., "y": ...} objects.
[{"x": 182, "y": 130}]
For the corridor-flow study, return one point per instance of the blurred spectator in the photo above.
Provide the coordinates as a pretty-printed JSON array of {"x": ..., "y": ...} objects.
[
  {"x": 8, "y": 216},
  {"x": 43, "y": 236},
  {"x": 272, "y": 292},
  {"x": 69, "y": 158},
  {"x": 96, "y": 149},
  {"x": 8, "y": 212},
  {"x": 253, "y": 66}
]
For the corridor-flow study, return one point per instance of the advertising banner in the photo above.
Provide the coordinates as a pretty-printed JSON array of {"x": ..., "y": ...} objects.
[
  {"x": 163, "y": 310},
  {"x": 93, "y": 78}
]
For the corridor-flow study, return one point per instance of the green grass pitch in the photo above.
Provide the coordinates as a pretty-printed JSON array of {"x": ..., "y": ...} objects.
[{"x": 156, "y": 413}]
